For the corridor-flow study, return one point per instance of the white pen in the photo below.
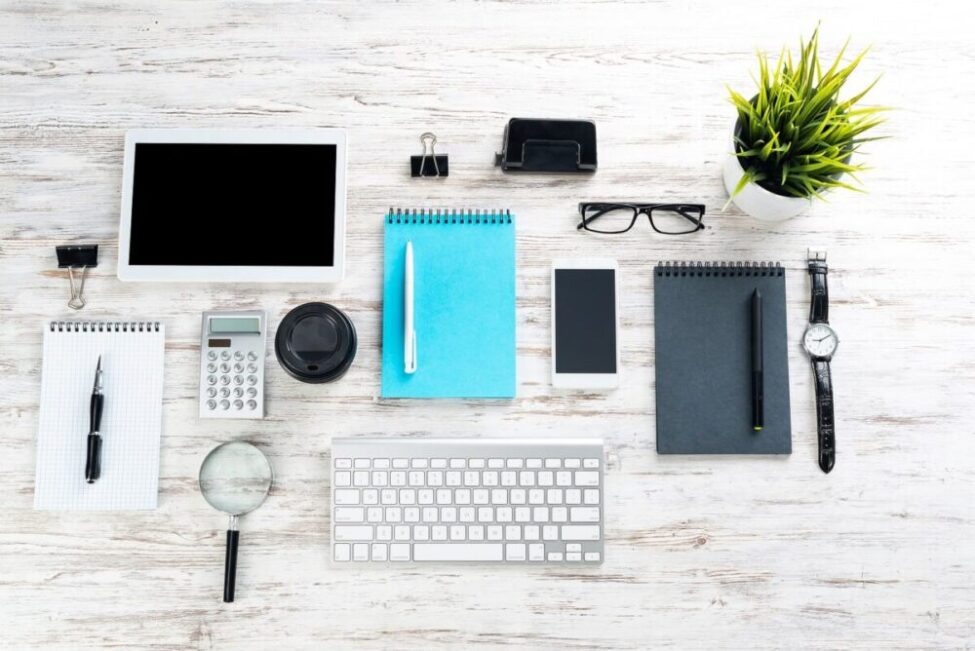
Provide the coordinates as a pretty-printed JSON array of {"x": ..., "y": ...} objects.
[{"x": 409, "y": 333}]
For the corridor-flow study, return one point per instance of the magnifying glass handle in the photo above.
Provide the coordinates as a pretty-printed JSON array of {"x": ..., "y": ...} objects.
[{"x": 230, "y": 565}]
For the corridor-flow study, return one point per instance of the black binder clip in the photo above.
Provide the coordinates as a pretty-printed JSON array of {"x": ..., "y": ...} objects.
[
  {"x": 428, "y": 163},
  {"x": 72, "y": 258},
  {"x": 548, "y": 146}
]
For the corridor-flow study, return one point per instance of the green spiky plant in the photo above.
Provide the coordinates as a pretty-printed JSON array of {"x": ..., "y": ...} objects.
[{"x": 796, "y": 137}]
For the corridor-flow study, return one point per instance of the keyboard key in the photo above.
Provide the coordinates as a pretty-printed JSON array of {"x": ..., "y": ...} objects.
[
  {"x": 546, "y": 478},
  {"x": 360, "y": 478},
  {"x": 361, "y": 463},
  {"x": 384, "y": 532},
  {"x": 555, "y": 556},
  {"x": 517, "y": 496},
  {"x": 560, "y": 514},
  {"x": 444, "y": 496},
  {"x": 485, "y": 514},
  {"x": 438, "y": 463},
  {"x": 590, "y": 496},
  {"x": 573, "y": 496},
  {"x": 399, "y": 552},
  {"x": 360, "y": 552},
  {"x": 424, "y": 496},
  {"x": 388, "y": 496},
  {"x": 343, "y": 552},
  {"x": 401, "y": 532},
  {"x": 416, "y": 478},
  {"x": 343, "y": 464},
  {"x": 573, "y": 556},
  {"x": 407, "y": 496},
  {"x": 458, "y": 463},
  {"x": 379, "y": 552},
  {"x": 533, "y": 463},
  {"x": 563, "y": 478},
  {"x": 536, "y": 552},
  {"x": 411, "y": 514},
  {"x": 394, "y": 514},
  {"x": 495, "y": 463},
  {"x": 421, "y": 532},
  {"x": 573, "y": 463},
  {"x": 512, "y": 532},
  {"x": 472, "y": 478},
  {"x": 418, "y": 463},
  {"x": 532, "y": 532},
  {"x": 495, "y": 532},
  {"x": 553, "y": 463},
  {"x": 380, "y": 464},
  {"x": 448, "y": 514},
  {"x": 540, "y": 514},
  {"x": 476, "y": 463},
  {"x": 435, "y": 478},
  {"x": 453, "y": 478},
  {"x": 370, "y": 496},
  {"x": 343, "y": 478},
  {"x": 374, "y": 514},
  {"x": 514, "y": 552},
  {"x": 587, "y": 478},
  {"x": 467, "y": 514},
  {"x": 515, "y": 463},
  {"x": 431, "y": 514},
  {"x": 345, "y": 496},
  {"x": 481, "y": 496},
  {"x": 439, "y": 532},
  {"x": 458, "y": 532},
  {"x": 504, "y": 514},
  {"x": 584, "y": 514},
  {"x": 489, "y": 478},
  {"x": 499, "y": 496},
  {"x": 353, "y": 532},
  {"x": 550, "y": 532},
  {"x": 462, "y": 496},
  {"x": 580, "y": 532},
  {"x": 457, "y": 552},
  {"x": 554, "y": 496},
  {"x": 573, "y": 547},
  {"x": 509, "y": 478},
  {"x": 397, "y": 478},
  {"x": 536, "y": 496},
  {"x": 526, "y": 478},
  {"x": 590, "y": 463},
  {"x": 400, "y": 464},
  {"x": 592, "y": 557},
  {"x": 348, "y": 514},
  {"x": 475, "y": 532},
  {"x": 523, "y": 514}
]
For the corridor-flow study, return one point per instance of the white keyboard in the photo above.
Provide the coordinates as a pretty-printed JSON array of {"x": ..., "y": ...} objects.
[{"x": 467, "y": 500}]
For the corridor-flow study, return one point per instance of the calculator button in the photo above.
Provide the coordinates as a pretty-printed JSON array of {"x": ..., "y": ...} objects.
[
  {"x": 225, "y": 355},
  {"x": 252, "y": 404},
  {"x": 238, "y": 392},
  {"x": 238, "y": 379},
  {"x": 252, "y": 392},
  {"x": 251, "y": 380},
  {"x": 211, "y": 368},
  {"x": 225, "y": 368},
  {"x": 238, "y": 355},
  {"x": 212, "y": 404},
  {"x": 238, "y": 368},
  {"x": 252, "y": 368},
  {"x": 212, "y": 355},
  {"x": 224, "y": 392},
  {"x": 211, "y": 392},
  {"x": 238, "y": 404},
  {"x": 211, "y": 379},
  {"x": 252, "y": 356},
  {"x": 225, "y": 404},
  {"x": 224, "y": 379}
]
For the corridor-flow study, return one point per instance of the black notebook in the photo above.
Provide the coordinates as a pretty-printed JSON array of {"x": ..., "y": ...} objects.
[{"x": 702, "y": 316}]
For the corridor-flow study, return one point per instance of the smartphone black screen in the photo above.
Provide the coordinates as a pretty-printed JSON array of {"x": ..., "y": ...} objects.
[{"x": 585, "y": 321}]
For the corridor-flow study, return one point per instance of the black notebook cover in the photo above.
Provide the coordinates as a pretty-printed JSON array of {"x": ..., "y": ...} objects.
[{"x": 702, "y": 316}]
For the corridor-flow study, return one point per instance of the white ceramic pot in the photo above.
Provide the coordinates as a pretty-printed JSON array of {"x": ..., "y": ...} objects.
[{"x": 757, "y": 201}]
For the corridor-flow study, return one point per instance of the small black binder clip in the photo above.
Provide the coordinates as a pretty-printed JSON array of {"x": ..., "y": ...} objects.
[
  {"x": 73, "y": 258},
  {"x": 428, "y": 163}
]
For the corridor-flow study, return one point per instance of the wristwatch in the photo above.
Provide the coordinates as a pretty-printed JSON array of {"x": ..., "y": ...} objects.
[{"x": 820, "y": 342}]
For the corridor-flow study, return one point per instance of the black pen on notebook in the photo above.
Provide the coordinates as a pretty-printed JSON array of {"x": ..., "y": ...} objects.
[
  {"x": 758, "y": 384},
  {"x": 93, "y": 462}
]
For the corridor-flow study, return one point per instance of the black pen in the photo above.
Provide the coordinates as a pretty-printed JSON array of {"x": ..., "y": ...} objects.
[
  {"x": 758, "y": 384},
  {"x": 93, "y": 464}
]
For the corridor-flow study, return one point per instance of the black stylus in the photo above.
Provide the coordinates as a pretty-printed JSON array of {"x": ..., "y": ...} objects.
[
  {"x": 758, "y": 375},
  {"x": 93, "y": 463}
]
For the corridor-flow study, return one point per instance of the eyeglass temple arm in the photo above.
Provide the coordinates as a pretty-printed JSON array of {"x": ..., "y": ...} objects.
[{"x": 599, "y": 214}]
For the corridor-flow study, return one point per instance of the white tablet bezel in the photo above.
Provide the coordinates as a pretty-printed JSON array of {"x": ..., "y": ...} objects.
[
  {"x": 251, "y": 274},
  {"x": 599, "y": 381}
]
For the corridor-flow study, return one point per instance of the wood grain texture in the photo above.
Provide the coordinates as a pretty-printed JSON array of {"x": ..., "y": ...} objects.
[{"x": 702, "y": 553}]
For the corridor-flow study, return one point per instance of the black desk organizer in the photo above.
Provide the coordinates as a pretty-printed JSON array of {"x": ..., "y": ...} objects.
[{"x": 548, "y": 146}]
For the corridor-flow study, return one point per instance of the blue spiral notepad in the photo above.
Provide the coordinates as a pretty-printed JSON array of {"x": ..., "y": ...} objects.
[{"x": 464, "y": 304}]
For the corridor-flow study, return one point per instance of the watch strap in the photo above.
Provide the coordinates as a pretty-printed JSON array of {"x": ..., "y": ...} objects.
[
  {"x": 824, "y": 414},
  {"x": 819, "y": 305}
]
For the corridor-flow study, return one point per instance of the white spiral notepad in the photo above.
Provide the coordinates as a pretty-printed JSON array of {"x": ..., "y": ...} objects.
[{"x": 132, "y": 365}]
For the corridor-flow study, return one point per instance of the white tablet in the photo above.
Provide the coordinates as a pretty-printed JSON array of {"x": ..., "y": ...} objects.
[
  {"x": 241, "y": 205},
  {"x": 585, "y": 324}
]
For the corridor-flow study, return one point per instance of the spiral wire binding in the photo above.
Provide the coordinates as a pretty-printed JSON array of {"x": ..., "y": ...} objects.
[
  {"x": 104, "y": 326},
  {"x": 719, "y": 269},
  {"x": 447, "y": 216}
]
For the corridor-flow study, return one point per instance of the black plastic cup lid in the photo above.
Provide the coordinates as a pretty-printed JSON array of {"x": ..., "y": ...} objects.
[{"x": 316, "y": 342}]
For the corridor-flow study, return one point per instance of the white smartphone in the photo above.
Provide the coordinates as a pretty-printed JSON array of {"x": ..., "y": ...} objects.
[{"x": 585, "y": 324}]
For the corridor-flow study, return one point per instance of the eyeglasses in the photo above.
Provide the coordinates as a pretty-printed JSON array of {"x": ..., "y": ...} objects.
[{"x": 665, "y": 218}]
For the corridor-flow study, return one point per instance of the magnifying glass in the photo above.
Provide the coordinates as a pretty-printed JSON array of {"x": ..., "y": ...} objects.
[{"x": 234, "y": 478}]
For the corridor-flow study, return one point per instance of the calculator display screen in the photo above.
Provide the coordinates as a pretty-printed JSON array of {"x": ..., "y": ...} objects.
[{"x": 226, "y": 325}]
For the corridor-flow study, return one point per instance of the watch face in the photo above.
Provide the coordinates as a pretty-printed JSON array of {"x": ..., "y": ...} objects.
[{"x": 819, "y": 340}]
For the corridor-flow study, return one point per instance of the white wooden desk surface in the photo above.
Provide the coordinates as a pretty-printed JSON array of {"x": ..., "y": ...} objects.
[{"x": 701, "y": 552}]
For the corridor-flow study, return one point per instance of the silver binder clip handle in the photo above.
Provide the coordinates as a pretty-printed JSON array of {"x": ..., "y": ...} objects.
[
  {"x": 429, "y": 141},
  {"x": 77, "y": 300}
]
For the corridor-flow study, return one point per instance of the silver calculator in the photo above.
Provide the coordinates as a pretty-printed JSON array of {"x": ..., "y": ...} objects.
[{"x": 232, "y": 364}]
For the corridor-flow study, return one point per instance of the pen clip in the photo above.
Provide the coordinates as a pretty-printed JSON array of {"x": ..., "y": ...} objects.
[{"x": 411, "y": 362}]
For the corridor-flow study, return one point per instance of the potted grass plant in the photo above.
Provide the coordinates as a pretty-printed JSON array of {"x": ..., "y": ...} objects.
[{"x": 796, "y": 139}]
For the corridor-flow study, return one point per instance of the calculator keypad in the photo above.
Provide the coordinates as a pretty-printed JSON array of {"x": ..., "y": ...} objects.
[{"x": 232, "y": 371}]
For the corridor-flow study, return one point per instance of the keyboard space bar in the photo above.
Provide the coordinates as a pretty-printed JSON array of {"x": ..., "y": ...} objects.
[{"x": 457, "y": 552}]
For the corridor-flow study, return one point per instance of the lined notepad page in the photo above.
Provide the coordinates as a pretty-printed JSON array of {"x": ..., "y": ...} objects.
[{"x": 132, "y": 365}]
